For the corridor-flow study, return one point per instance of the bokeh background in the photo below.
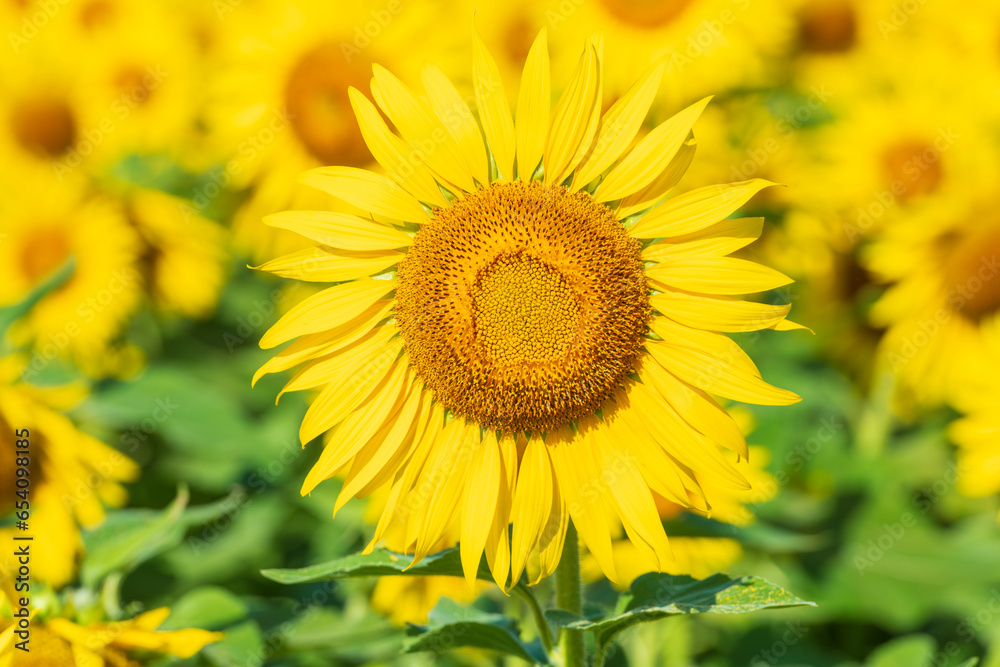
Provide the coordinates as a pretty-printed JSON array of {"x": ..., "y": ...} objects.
[{"x": 141, "y": 143}]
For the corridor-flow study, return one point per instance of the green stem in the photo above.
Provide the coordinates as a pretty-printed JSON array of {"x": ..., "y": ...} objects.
[
  {"x": 875, "y": 422},
  {"x": 544, "y": 632},
  {"x": 569, "y": 596}
]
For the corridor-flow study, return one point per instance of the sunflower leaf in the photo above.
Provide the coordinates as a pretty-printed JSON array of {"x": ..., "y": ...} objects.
[
  {"x": 12, "y": 313},
  {"x": 653, "y": 596},
  {"x": 452, "y": 626},
  {"x": 379, "y": 563},
  {"x": 130, "y": 537}
]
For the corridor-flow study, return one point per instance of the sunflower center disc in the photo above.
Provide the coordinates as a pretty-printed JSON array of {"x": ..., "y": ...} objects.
[
  {"x": 319, "y": 106},
  {"x": 523, "y": 306}
]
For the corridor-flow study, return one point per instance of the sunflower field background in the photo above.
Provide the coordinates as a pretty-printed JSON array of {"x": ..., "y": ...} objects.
[{"x": 142, "y": 144}]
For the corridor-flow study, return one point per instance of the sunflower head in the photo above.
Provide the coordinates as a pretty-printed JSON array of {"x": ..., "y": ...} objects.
[{"x": 542, "y": 341}]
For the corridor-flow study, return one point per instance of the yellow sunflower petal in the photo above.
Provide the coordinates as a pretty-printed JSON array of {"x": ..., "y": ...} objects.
[
  {"x": 457, "y": 118},
  {"x": 340, "y": 230},
  {"x": 719, "y": 239},
  {"x": 717, "y": 313},
  {"x": 572, "y": 122},
  {"x": 553, "y": 535},
  {"x": 788, "y": 325},
  {"x": 400, "y": 504},
  {"x": 680, "y": 440},
  {"x": 631, "y": 494},
  {"x": 699, "y": 208},
  {"x": 481, "y": 492},
  {"x": 339, "y": 399},
  {"x": 313, "y": 346},
  {"x": 650, "y": 156},
  {"x": 367, "y": 191},
  {"x": 716, "y": 275},
  {"x": 659, "y": 469},
  {"x": 532, "y": 503},
  {"x": 374, "y": 457},
  {"x": 406, "y": 449},
  {"x": 327, "y": 310},
  {"x": 713, "y": 374},
  {"x": 398, "y": 158},
  {"x": 497, "y": 544},
  {"x": 668, "y": 178},
  {"x": 419, "y": 127},
  {"x": 343, "y": 364},
  {"x": 449, "y": 470},
  {"x": 586, "y": 493},
  {"x": 533, "y": 108},
  {"x": 323, "y": 264},
  {"x": 620, "y": 125},
  {"x": 494, "y": 112},
  {"x": 698, "y": 408}
]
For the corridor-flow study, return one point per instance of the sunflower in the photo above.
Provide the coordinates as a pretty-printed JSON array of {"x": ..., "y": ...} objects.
[
  {"x": 63, "y": 643},
  {"x": 73, "y": 475},
  {"x": 526, "y": 352},
  {"x": 716, "y": 44},
  {"x": 942, "y": 305},
  {"x": 101, "y": 81},
  {"x": 975, "y": 433},
  {"x": 50, "y": 223},
  {"x": 184, "y": 254},
  {"x": 279, "y": 102},
  {"x": 700, "y": 556}
]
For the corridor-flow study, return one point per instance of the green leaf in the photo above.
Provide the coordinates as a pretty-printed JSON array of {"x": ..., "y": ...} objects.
[
  {"x": 971, "y": 662},
  {"x": 10, "y": 314},
  {"x": 912, "y": 651},
  {"x": 379, "y": 563},
  {"x": 452, "y": 626},
  {"x": 653, "y": 596},
  {"x": 757, "y": 535},
  {"x": 209, "y": 608},
  {"x": 128, "y": 538}
]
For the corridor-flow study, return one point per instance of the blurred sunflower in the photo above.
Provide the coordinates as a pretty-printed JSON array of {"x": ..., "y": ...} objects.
[
  {"x": 700, "y": 557},
  {"x": 942, "y": 306},
  {"x": 522, "y": 305},
  {"x": 73, "y": 475},
  {"x": 715, "y": 44},
  {"x": 142, "y": 79},
  {"x": 59, "y": 642},
  {"x": 976, "y": 432},
  {"x": 836, "y": 41},
  {"x": 184, "y": 255},
  {"x": 46, "y": 225},
  {"x": 279, "y": 104}
]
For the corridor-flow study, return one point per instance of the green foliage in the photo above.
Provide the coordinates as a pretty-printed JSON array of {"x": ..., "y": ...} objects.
[
  {"x": 129, "y": 538},
  {"x": 379, "y": 563},
  {"x": 453, "y": 626}
]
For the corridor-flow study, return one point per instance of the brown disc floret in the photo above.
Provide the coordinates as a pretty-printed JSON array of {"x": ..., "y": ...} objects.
[{"x": 523, "y": 306}]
